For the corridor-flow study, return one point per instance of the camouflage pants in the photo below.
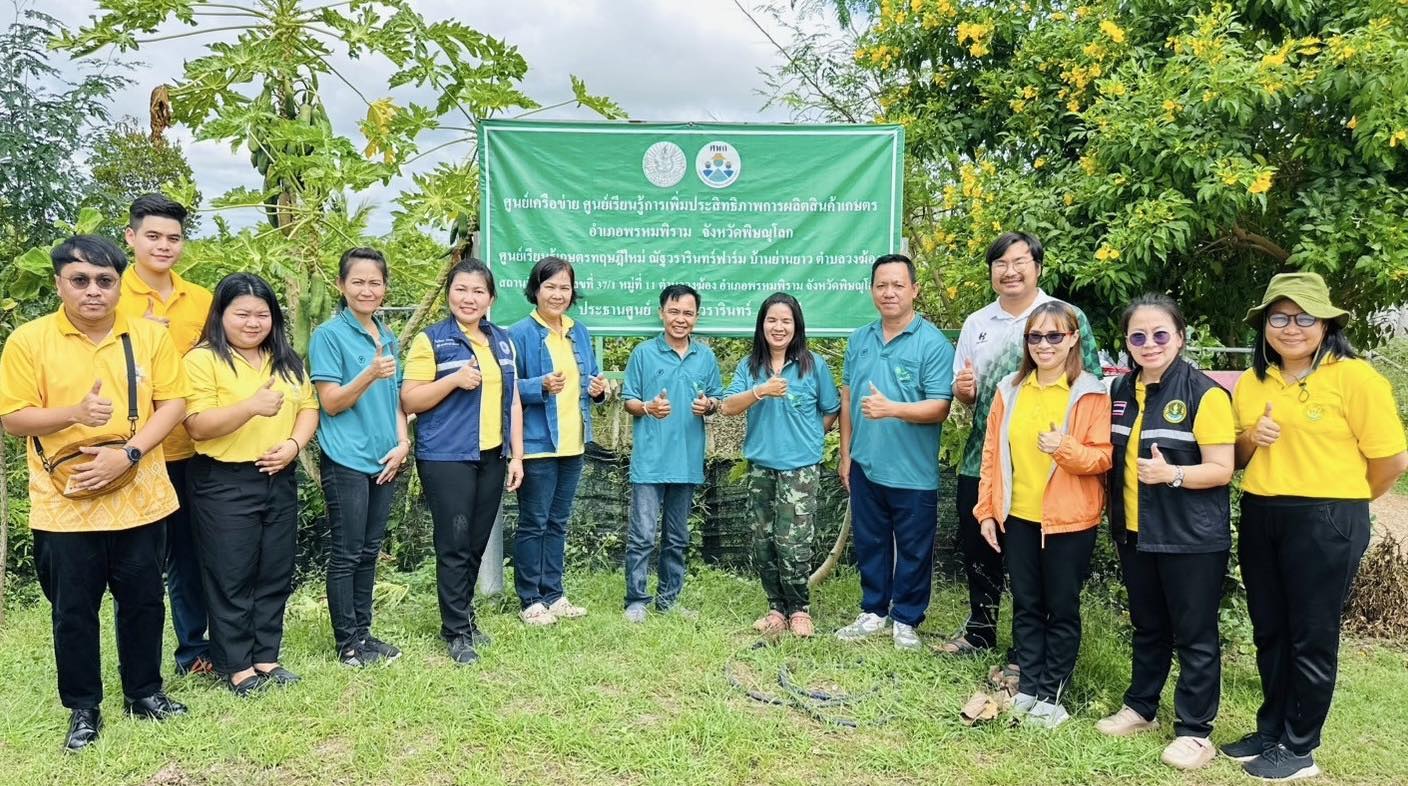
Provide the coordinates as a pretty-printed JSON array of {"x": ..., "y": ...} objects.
[{"x": 783, "y": 503}]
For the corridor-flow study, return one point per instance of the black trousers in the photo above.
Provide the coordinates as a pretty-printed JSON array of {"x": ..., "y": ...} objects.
[
  {"x": 1173, "y": 606},
  {"x": 75, "y": 569},
  {"x": 464, "y": 500},
  {"x": 247, "y": 533},
  {"x": 983, "y": 566},
  {"x": 1299, "y": 557},
  {"x": 357, "y": 511},
  {"x": 1046, "y": 584}
]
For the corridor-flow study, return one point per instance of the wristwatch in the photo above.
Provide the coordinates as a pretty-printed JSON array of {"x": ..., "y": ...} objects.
[
  {"x": 1177, "y": 481},
  {"x": 134, "y": 454}
]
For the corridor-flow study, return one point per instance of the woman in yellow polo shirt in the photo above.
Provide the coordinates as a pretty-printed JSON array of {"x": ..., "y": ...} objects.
[
  {"x": 1043, "y": 484},
  {"x": 1169, "y": 514},
  {"x": 252, "y": 410},
  {"x": 1319, "y": 435},
  {"x": 460, "y": 383}
]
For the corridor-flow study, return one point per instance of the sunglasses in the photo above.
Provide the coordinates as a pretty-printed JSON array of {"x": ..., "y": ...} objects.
[
  {"x": 1053, "y": 338},
  {"x": 1140, "y": 338},
  {"x": 1302, "y": 319},
  {"x": 82, "y": 281}
]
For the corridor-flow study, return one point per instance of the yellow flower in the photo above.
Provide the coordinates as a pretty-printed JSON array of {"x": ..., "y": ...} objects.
[
  {"x": 1208, "y": 96},
  {"x": 1112, "y": 30},
  {"x": 1073, "y": 105},
  {"x": 1271, "y": 61},
  {"x": 1353, "y": 123},
  {"x": 1113, "y": 89},
  {"x": 1017, "y": 105},
  {"x": 952, "y": 292},
  {"x": 1398, "y": 136},
  {"x": 1262, "y": 184},
  {"x": 916, "y": 5},
  {"x": 1106, "y": 253},
  {"x": 977, "y": 49},
  {"x": 1170, "y": 105},
  {"x": 1029, "y": 92},
  {"x": 997, "y": 226},
  {"x": 1088, "y": 164},
  {"x": 1069, "y": 199},
  {"x": 1039, "y": 163}
]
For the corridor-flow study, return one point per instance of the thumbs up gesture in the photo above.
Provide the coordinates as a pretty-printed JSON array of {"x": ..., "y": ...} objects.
[
  {"x": 151, "y": 314},
  {"x": 1155, "y": 470},
  {"x": 965, "y": 382},
  {"x": 874, "y": 405},
  {"x": 266, "y": 402},
  {"x": 1049, "y": 441},
  {"x": 596, "y": 386},
  {"x": 659, "y": 407},
  {"x": 775, "y": 387},
  {"x": 554, "y": 383},
  {"x": 702, "y": 404},
  {"x": 94, "y": 410},
  {"x": 469, "y": 376},
  {"x": 1267, "y": 431},
  {"x": 383, "y": 366}
]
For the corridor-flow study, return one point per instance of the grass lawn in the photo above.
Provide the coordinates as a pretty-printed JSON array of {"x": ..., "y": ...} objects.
[{"x": 600, "y": 701}]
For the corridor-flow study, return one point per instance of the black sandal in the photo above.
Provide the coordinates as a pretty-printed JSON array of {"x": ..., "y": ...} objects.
[
  {"x": 247, "y": 685},
  {"x": 279, "y": 675}
]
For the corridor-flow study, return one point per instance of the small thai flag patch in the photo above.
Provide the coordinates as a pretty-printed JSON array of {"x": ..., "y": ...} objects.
[{"x": 1117, "y": 408}]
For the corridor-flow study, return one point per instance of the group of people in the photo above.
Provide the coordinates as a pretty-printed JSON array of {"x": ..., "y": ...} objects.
[{"x": 198, "y": 485}]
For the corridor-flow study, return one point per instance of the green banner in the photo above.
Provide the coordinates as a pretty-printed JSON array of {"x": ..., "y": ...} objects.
[{"x": 736, "y": 211}]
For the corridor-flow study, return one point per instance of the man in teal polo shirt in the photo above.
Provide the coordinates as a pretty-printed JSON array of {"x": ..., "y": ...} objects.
[
  {"x": 896, "y": 394},
  {"x": 672, "y": 382}
]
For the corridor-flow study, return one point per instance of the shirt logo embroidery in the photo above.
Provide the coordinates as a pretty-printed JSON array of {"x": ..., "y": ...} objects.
[{"x": 1314, "y": 413}]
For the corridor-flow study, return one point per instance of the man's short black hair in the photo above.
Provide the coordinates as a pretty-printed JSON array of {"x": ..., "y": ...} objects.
[
  {"x": 156, "y": 205},
  {"x": 891, "y": 259},
  {"x": 677, "y": 291},
  {"x": 1007, "y": 239},
  {"x": 93, "y": 249}
]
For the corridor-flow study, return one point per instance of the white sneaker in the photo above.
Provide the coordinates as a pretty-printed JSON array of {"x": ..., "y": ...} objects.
[
  {"x": 635, "y": 613},
  {"x": 564, "y": 610},
  {"x": 1047, "y": 715},
  {"x": 905, "y": 637},
  {"x": 1124, "y": 723},
  {"x": 1022, "y": 704},
  {"x": 537, "y": 614},
  {"x": 1188, "y": 753},
  {"x": 866, "y": 624}
]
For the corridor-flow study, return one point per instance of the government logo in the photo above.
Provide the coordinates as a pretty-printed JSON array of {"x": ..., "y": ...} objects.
[
  {"x": 718, "y": 164},
  {"x": 664, "y": 164}
]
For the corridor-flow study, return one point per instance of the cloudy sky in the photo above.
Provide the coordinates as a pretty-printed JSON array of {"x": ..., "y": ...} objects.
[{"x": 659, "y": 59}]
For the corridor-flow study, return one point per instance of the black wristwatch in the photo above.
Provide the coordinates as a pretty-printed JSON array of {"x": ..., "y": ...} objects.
[{"x": 134, "y": 454}]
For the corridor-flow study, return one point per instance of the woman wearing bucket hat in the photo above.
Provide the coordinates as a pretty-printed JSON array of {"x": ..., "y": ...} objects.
[
  {"x": 1319, "y": 436},
  {"x": 1173, "y": 433}
]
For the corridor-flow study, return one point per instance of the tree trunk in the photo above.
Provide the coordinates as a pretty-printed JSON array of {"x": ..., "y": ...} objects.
[{"x": 1260, "y": 243}]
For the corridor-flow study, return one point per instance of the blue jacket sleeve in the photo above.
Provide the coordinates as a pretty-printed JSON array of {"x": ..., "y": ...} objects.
[{"x": 529, "y": 354}]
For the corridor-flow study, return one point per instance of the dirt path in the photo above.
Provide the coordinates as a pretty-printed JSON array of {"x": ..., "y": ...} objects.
[{"x": 1391, "y": 517}]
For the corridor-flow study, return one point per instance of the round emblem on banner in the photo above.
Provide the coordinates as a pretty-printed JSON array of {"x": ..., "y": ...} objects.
[
  {"x": 1175, "y": 411},
  {"x": 663, "y": 164},
  {"x": 718, "y": 164}
]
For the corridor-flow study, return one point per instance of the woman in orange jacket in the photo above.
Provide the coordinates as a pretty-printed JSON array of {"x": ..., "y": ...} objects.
[{"x": 1043, "y": 485}]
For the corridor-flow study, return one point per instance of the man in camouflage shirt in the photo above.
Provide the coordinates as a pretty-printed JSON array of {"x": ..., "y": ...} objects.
[{"x": 989, "y": 348}]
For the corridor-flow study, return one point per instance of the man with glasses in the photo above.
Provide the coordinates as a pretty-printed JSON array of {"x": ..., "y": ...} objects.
[
  {"x": 672, "y": 382},
  {"x": 990, "y": 348},
  {"x": 66, "y": 379}
]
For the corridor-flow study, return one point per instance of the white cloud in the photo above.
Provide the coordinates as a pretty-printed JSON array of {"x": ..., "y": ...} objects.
[{"x": 671, "y": 60}]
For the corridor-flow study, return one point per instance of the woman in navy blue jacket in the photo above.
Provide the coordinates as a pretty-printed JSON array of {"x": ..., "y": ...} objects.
[{"x": 558, "y": 379}]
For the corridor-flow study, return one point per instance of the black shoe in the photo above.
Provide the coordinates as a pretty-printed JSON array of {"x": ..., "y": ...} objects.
[
  {"x": 478, "y": 637},
  {"x": 247, "y": 685},
  {"x": 83, "y": 727},
  {"x": 359, "y": 656},
  {"x": 387, "y": 652},
  {"x": 462, "y": 650},
  {"x": 1247, "y": 748},
  {"x": 1279, "y": 764},
  {"x": 279, "y": 676},
  {"x": 157, "y": 706}
]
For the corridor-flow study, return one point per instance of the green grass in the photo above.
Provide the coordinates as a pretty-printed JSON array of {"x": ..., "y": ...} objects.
[{"x": 598, "y": 701}]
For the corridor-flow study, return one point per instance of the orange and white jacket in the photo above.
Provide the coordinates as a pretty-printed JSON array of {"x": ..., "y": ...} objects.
[{"x": 1075, "y": 490}]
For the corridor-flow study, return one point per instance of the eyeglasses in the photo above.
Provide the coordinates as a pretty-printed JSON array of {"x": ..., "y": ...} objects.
[
  {"x": 1053, "y": 338},
  {"x": 1016, "y": 264},
  {"x": 1302, "y": 319},
  {"x": 83, "y": 281},
  {"x": 1140, "y": 338}
]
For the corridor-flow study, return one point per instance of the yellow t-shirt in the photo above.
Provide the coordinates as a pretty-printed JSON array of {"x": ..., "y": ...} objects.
[
  {"x": 186, "y": 312},
  {"x": 48, "y": 363},
  {"x": 1037, "y": 408},
  {"x": 420, "y": 367},
  {"x": 1331, "y": 423},
  {"x": 1212, "y": 426},
  {"x": 215, "y": 384},
  {"x": 570, "y": 441}
]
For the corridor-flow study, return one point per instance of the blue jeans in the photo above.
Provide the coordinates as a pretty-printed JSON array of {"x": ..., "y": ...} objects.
[
  {"x": 894, "y": 543},
  {"x": 183, "y": 577},
  {"x": 357, "y": 513},
  {"x": 647, "y": 500},
  {"x": 544, "y": 505}
]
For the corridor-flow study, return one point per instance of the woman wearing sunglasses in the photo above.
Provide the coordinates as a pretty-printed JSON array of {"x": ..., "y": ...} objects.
[
  {"x": 1047, "y": 446},
  {"x": 1169, "y": 513},
  {"x": 1319, "y": 435}
]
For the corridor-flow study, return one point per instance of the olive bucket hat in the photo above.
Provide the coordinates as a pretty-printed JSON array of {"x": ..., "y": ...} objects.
[{"x": 1308, "y": 290}]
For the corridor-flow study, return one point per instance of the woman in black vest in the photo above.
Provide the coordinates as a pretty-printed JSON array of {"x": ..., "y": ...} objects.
[{"x": 1173, "y": 434}]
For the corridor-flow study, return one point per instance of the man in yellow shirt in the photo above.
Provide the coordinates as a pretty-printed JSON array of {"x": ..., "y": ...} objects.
[
  {"x": 67, "y": 377},
  {"x": 152, "y": 290}
]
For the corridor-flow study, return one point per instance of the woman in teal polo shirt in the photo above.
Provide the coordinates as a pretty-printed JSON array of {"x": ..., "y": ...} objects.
[
  {"x": 362, "y": 433},
  {"x": 791, "y": 400}
]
